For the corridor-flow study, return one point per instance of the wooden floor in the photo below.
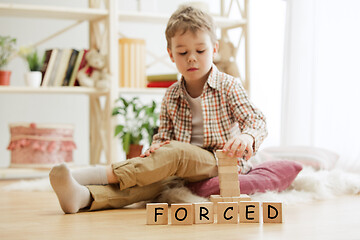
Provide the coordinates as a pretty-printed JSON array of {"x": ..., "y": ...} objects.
[{"x": 37, "y": 215}]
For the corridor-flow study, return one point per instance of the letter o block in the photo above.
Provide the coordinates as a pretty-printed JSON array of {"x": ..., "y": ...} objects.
[
  {"x": 182, "y": 214},
  {"x": 157, "y": 214},
  {"x": 227, "y": 212}
]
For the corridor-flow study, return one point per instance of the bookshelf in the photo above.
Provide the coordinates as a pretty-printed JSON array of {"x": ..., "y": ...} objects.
[
  {"x": 103, "y": 17},
  {"x": 52, "y": 90}
]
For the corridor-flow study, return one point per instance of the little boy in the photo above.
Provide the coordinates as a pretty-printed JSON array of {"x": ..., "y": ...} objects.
[{"x": 197, "y": 115}]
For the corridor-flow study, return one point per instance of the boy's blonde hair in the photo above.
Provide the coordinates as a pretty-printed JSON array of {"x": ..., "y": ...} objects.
[{"x": 189, "y": 18}]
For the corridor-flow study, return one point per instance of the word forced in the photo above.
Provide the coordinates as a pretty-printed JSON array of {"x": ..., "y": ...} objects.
[{"x": 204, "y": 213}]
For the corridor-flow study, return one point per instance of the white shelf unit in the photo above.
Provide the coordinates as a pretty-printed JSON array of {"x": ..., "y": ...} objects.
[{"x": 103, "y": 17}]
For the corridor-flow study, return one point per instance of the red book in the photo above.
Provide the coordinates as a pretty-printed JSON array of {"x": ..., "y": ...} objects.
[{"x": 160, "y": 84}]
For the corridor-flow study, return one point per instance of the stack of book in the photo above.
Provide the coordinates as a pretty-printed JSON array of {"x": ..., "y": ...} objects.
[
  {"x": 61, "y": 66},
  {"x": 162, "y": 80}
]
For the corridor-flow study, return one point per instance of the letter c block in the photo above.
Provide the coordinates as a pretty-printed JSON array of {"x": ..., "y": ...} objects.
[
  {"x": 227, "y": 212},
  {"x": 157, "y": 214}
]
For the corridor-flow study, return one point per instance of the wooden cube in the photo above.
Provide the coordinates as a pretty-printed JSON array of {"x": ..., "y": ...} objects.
[
  {"x": 249, "y": 212},
  {"x": 241, "y": 198},
  {"x": 234, "y": 176},
  {"x": 229, "y": 184},
  {"x": 203, "y": 212},
  {"x": 215, "y": 199},
  {"x": 182, "y": 213},
  {"x": 227, "y": 169},
  {"x": 229, "y": 192},
  {"x": 227, "y": 161},
  {"x": 220, "y": 154},
  {"x": 157, "y": 213},
  {"x": 227, "y": 212},
  {"x": 227, "y": 199},
  {"x": 272, "y": 212}
]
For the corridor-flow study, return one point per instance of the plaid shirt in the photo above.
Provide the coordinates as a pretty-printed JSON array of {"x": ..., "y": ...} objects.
[{"x": 224, "y": 102}]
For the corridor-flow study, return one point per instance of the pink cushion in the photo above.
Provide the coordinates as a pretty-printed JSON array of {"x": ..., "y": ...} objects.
[{"x": 267, "y": 176}]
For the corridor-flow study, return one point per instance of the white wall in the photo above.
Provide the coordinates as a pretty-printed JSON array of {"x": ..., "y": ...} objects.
[{"x": 266, "y": 35}]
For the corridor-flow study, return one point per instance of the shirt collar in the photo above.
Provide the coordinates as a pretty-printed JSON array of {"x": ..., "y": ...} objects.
[{"x": 212, "y": 81}]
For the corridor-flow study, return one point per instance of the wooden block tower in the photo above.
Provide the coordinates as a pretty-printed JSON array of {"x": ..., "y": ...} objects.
[{"x": 228, "y": 180}]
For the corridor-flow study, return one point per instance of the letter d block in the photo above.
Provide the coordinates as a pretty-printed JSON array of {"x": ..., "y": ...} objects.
[
  {"x": 227, "y": 212},
  {"x": 157, "y": 214},
  {"x": 203, "y": 212},
  {"x": 249, "y": 212},
  {"x": 272, "y": 212},
  {"x": 182, "y": 214}
]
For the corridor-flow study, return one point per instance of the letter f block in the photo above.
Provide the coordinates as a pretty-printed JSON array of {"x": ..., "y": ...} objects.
[{"x": 157, "y": 213}]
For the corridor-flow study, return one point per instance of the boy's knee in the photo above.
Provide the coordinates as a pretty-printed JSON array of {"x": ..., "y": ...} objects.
[
  {"x": 178, "y": 145},
  {"x": 173, "y": 148}
]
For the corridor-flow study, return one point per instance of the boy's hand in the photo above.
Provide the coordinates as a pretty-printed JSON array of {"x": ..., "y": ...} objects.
[
  {"x": 240, "y": 146},
  {"x": 154, "y": 147}
]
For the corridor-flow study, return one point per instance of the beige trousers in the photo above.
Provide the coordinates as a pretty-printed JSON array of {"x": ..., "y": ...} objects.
[{"x": 141, "y": 179}]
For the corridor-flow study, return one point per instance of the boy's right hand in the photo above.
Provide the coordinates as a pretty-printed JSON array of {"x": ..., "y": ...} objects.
[{"x": 154, "y": 147}]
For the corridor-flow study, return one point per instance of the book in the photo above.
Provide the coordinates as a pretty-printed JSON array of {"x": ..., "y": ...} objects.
[
  {"x": 55, "y": 68},
  {"x": 48, "y": 66},
  {"x": 61, "y": 68},
  {"x": 46, "y": 58},
  {"x": 160, "y": 84},
  {"x": 79, "y": 64},
  {"x": 163, "y": 77},
  {"x": 70, "y": 67}
]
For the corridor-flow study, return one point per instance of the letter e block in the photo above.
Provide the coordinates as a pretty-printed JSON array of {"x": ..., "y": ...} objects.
[
  {"x": 249, "y": 212},
  {"x": 157, "y": 214},
  {"x": 227, "y": 212},
  {"x": 182, "y": 214},
  {"x": 203, "y": 212},
  {"x": 272, "y": 212}
]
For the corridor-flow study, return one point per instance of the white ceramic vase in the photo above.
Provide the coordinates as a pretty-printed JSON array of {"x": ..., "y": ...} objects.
[{"x": 33, "y": 79}]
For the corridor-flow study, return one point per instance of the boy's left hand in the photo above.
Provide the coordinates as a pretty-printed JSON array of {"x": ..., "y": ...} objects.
[{"x": 240, "y": 146}]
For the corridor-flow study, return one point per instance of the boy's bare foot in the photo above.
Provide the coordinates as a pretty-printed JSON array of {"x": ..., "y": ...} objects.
[{"x": 72, "y": 196}]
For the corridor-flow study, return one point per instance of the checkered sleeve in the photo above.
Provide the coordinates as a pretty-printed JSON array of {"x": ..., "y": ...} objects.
[
  {"x": 166, "y": 128},
  {"x": 251, "y": 120}
]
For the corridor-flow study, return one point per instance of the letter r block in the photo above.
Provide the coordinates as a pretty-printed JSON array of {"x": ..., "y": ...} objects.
[
  {"x": 182, "y": 214},
  {"x": 272, "y": 212},
  {"x": 157, "y": 213},
  {"x": 203, "y": 212}
]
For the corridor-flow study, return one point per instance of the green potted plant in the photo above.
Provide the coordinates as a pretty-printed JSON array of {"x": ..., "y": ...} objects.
[
  {"x": 138, "y": 122},
  {"x": 7, "y": 49},
  {"x": 34, "y": 62}
]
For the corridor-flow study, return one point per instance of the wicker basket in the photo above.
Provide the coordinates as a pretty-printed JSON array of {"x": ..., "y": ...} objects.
[{"x": 34, "y": 145}]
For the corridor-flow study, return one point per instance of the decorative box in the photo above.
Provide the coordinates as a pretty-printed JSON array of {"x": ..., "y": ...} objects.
[{"x": 40, "y": 144}]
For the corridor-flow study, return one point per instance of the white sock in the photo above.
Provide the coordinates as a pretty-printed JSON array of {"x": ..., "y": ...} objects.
[
  {"x": 94, "y": 175},
  {"x": 72, "y": 196}
]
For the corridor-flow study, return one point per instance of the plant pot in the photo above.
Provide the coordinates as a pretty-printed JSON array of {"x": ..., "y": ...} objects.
[
  {"x": 33, "y": 79},
  {"x": 5, "y": 78},
  {"x": 135, "y": 151}
]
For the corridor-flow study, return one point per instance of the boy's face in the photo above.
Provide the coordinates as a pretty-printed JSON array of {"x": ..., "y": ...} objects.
[{"x": 193, "y": 54}]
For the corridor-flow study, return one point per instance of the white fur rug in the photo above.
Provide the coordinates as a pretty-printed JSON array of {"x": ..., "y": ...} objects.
[{"x": 309, "y": 185}]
